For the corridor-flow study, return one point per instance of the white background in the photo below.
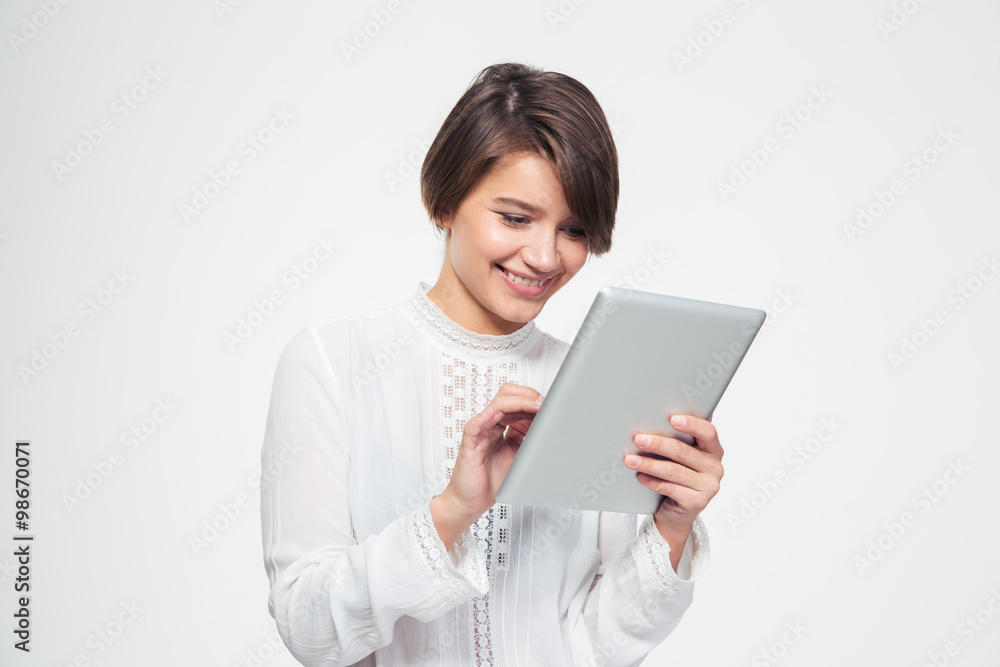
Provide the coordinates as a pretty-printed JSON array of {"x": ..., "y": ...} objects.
[{"x": 780, "y": 241}]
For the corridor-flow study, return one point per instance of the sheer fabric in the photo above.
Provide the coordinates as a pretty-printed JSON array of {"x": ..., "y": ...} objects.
[{"x": 364, "y": 425}]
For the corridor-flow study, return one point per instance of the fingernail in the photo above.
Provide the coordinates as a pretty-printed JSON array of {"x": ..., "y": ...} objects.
[
  {"x": 678, "y": 420},
  {"x": 538, "y": 401},
  {"x": 642, "y": 440},
  {"x": 632, "y": 460}
]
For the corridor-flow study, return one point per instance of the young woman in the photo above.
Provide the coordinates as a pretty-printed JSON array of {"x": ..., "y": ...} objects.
[{"x": 390, "y": 434}]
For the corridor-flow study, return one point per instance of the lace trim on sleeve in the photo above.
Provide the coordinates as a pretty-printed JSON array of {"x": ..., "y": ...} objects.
[
  {"x": 457, "y": 577},
  {"x": 654, "y": 552}
]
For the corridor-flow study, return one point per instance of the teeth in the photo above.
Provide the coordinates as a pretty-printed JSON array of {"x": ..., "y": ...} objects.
[{"x": 524, "y": 281}]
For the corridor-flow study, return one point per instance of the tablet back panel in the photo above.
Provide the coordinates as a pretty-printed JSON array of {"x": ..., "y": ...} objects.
[{"x": 637, "y": 359}]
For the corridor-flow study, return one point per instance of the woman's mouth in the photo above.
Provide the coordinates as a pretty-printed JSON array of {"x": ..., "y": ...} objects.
[{"x": 522, "y": 285}]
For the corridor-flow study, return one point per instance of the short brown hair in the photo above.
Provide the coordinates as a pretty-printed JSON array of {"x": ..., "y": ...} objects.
[{"x": 510, "y": 108}]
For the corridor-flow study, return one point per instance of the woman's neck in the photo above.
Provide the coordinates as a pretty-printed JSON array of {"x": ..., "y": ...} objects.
[{"x": 461, "y": 307}]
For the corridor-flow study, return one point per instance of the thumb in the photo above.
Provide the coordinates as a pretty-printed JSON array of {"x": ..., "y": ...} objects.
[{"x": 477, "y": 424}]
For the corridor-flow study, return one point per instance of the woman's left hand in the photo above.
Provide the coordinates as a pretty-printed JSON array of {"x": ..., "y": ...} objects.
[{"x": 689, "y": 478}]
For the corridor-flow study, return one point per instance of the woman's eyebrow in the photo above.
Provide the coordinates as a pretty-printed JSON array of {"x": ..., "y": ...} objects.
[{"x": 510, "y": 201}]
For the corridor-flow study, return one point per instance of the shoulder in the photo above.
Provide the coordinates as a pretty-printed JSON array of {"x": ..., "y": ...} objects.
[
  {"x": 330, "y": 341},
  {"x": 551, "y": 341},
  {"x": 550, "y": 347}
]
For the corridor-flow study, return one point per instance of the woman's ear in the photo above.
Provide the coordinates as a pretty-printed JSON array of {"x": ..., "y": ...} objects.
[{"x": 445, "y": 221}]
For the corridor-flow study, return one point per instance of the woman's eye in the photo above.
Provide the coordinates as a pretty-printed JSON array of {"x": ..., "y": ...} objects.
[
  {"x": 576, "y": 232},
  {"x": 513, "y": 219}
]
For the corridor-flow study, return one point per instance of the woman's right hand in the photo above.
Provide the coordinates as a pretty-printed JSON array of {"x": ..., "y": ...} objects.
[{"x": 489, "y": 442}]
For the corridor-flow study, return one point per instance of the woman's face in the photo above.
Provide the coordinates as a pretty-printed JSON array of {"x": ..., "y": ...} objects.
[{"x": 512, "y": 244}]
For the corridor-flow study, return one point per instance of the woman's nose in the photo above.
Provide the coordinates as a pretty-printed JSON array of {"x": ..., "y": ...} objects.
[{"x": 541, "y": 254}]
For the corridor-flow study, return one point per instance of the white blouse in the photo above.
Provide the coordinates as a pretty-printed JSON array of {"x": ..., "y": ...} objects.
[{"x": 364, "y": 425}]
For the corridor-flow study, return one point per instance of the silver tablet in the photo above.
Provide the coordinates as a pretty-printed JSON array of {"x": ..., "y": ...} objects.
[{"x": 637, "y": 359}]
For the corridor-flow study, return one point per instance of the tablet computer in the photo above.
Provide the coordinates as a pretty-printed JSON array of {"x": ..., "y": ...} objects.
[{"x": 637, "y": 359}]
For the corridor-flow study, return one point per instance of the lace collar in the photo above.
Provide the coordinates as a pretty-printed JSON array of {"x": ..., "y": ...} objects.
[{"x": 432, "y": 319}]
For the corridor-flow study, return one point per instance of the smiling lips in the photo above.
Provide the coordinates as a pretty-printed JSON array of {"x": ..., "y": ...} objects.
[{"x": 519, "y": 280}]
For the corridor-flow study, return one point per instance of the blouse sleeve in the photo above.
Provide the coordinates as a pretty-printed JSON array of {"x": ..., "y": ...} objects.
[
  {"x": 636, "y": 598},
  {"x": 335, "y": 601}
]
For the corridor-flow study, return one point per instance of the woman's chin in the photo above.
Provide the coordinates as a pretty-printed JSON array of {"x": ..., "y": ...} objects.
[{"x": 519, "y": 314}]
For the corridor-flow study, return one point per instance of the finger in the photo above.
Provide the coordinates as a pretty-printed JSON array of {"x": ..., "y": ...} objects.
[
  {"x": 705, "y": 435},
  {"x": 510, "y": 389},
  {"x": 518, "y": 389},
  {"x": 684, "y": 497},
  {"x": 508, "y": 410},
  {"x": 481, "y": 422},
  {"x": 668, "y": 471},
  {"x": 524, "y": 418},
  {"x": 676, "y": 450},
  {"x": 520, "y": 426},
  {"x": 512, "y": 404},
  {"x": 516, "y": 431}
]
